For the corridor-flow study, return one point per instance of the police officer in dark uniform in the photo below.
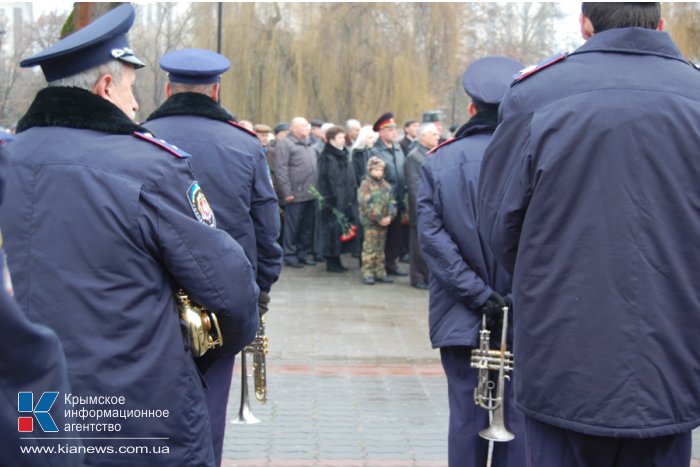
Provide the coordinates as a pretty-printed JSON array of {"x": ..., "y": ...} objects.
[
  {"x": 104, "y": 222},
  {"x": 465, "y": 280},
  {"x": 33, "y": 361},
  {"x": 589, "y": 195},
  {"x": 230, "y": 164}
]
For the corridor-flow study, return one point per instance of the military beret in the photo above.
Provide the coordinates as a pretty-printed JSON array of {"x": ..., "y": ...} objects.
[
  {"x": 487, "y": 79},
  {"x": 262, "y": 128},
  {"x": 280, "y": 127},
  {"x": 96, "y": 44},
  {"x": 385, "y": 121},
  {"x": 194, "y": 66}
]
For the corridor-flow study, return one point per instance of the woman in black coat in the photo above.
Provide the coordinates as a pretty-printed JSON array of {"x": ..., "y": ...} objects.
[{"x": 337, "y": 185}]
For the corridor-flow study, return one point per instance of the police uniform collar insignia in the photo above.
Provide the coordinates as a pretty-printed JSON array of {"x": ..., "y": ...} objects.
[
  {"x": 449, "y": 141},
  {"x": 172, "y": 149},
  {"x": 235, "y": 123},
  {"x": 200, "y": 206},
  {"x": 531, "y": 70}
]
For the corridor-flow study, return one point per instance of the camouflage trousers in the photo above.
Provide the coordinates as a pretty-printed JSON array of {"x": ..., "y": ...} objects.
[{"x": 373, "y": 251}]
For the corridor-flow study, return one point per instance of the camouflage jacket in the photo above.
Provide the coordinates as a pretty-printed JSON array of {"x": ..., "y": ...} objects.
[{"x": 375, "y": 200}]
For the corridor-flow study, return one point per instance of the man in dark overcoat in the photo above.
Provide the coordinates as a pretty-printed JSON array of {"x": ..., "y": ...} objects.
[
  {"x": 103, "y": 224},
  {"x": 230, "y": 164},
  {"x": 589, "y": 196},
  {"x": 466, "y": 283}
]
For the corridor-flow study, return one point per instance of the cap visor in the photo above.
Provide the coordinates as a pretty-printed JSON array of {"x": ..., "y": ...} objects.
[{"x": 132, "y": 60}]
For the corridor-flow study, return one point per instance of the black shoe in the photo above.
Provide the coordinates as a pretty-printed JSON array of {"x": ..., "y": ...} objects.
[
  {"x": 396, "y": 272},
  {"x": 368, "y": 280},
  {"x": 333, "y": 264},
  {"x": 385, "y": 280},
  {"x": 293, "y": 264},
  {"x": 421, "y": 285},
  {"x": 319, "y": 259},
  {"x": 308, "y": 262}
]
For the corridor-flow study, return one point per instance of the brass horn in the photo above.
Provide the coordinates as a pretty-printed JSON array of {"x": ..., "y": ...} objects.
[
  {"x": 487, "y": 360},
  {"x": 202, "y": 325}
]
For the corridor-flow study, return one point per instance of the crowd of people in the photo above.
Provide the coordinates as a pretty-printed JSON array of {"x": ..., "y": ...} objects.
[
  {"x": 569, "y": 201},
  {"x": 318, "y": 170}
]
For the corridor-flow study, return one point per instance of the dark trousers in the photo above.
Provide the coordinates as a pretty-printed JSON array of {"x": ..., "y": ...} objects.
[
  {"x": 218, "y": 380},
  {"x": 298, "y": 228},
  {"x": 551, "y": 445},
  {"x": 465, "y": 448},
  {"x": 419, "y": 271},
  {"x": 392, "y": 247},
  {"x": 405, "y": 243}
]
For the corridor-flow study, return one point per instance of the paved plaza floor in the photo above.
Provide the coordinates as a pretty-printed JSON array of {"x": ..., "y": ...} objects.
[{"x": 352, "y": 378}]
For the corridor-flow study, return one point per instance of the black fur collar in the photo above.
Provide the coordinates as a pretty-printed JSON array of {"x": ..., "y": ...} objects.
[
  {"x": 484, "y": 121},
  {"x": 76, "y": 108},
  {"x": 192, "y": 103}
]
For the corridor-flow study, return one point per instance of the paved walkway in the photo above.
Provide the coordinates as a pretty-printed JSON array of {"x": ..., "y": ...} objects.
[{"x": 351, "y": 376}]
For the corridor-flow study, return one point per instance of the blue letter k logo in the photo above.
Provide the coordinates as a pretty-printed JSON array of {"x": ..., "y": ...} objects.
[{"x": 25, "y": 403}]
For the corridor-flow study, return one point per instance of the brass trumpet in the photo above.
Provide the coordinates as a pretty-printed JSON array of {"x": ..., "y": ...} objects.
[
  {"x": 259, "y": 348},
  {"x": 202, "y": 325},
  {"x": 487, "y": 360}
]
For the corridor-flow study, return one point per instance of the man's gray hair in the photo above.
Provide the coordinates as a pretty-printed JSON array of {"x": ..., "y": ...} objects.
[
  {"x": 352, "y": 123},
  {"x": 424, "y": 128},
  {"x": 88, "y": 79},
  {"x": 198, "y": 88}
]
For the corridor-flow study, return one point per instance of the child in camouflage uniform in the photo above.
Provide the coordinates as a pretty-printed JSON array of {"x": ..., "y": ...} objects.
[{"x": 377, "y": 209}]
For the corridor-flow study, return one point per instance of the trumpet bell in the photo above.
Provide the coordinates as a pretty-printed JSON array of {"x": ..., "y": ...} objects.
[
  {"x": 245, "y": 416},
  {"x": 496, "y": 433}
]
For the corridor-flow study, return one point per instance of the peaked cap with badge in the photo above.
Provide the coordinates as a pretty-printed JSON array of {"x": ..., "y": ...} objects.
[
  {"x": 385, "y": 121},
  {"x": 194, "y": 66},
  {"x": 96, "y": 44}
]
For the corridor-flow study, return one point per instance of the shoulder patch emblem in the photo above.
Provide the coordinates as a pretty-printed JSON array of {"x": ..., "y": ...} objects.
[
  {"x": 251, "y": 133},
  {"x": 531, "y": 70},
  {"x": 200, "y": 206},
  {"x": 174, "y": 150}
]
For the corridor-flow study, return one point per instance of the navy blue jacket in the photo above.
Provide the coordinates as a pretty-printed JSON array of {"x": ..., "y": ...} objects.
[
  {"x": 590, "y": 195},
  {"x": 33, "y": 362},
  {"x": 230, "y": 165},
  {"x": 99, "y": 229},
  {"x": 462, "y": 274}
]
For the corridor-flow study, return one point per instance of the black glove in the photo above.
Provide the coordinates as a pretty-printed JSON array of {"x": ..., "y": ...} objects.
[
  {"x": 493, "y": 306},
  {"x": 493, "y": 310},
  {"x": 263, "y": 302}
]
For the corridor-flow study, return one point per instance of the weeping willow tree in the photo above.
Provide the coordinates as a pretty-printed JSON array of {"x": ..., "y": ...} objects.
[{"x": 329, "y": 61}]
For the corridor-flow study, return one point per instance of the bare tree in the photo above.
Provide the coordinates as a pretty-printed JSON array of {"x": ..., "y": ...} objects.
[
  {"x": 18, "y": 85},
  {"x": 160, "y": 28}
]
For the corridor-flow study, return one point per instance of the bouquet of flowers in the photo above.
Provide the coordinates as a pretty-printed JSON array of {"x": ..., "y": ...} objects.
[{"x": 349, "y": 230}]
